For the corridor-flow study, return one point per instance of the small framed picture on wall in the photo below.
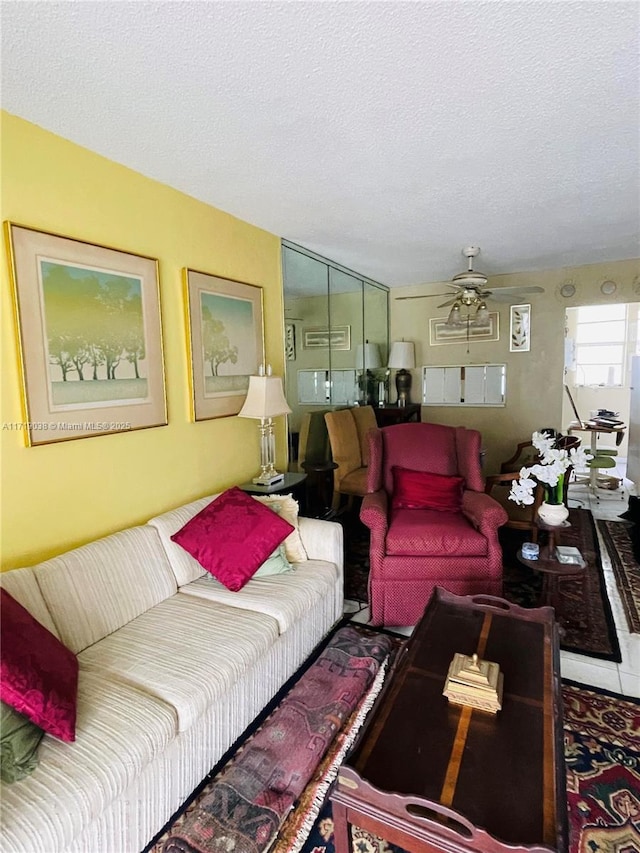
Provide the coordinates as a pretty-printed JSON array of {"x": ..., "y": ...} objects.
[{"x": 520, "y": 331}]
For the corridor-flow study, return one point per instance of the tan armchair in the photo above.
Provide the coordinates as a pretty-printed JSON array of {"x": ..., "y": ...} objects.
[{"x": 348, "y": 430}]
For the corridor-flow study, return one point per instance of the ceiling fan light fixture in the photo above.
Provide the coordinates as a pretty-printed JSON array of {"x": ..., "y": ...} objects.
[
  {"x": 454, "y": 318},
  {"x": 482, "y": 315}
]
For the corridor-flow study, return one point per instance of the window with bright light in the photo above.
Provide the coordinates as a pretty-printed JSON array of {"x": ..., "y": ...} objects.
[{"x": 601, "y": 333}]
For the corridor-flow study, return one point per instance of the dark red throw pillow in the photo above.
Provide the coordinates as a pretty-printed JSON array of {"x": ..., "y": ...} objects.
[
  {"x": 424, "y": 490},
  {"x": 38, "y": 674},
  {"x": 233, "y": 536}
]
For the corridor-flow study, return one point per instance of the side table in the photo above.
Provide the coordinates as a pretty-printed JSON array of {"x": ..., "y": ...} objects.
[
  {"x": 292, "y": 484},
  {"x": 552, "y": 571},
  {"x": 319, "y": 487}
]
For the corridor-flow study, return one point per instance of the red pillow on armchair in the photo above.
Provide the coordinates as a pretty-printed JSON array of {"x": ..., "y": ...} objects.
[{"x": 424, "y": 490}]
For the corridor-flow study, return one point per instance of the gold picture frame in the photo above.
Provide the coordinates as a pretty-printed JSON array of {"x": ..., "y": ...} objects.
[
  {"x": 88, "y": 323},
  {"x": 225, "y": 339},
  {"x": 441, "y": 333}
]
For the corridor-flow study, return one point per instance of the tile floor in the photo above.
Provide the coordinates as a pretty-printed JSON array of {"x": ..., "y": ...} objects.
[{"x": 621, "y": 677}]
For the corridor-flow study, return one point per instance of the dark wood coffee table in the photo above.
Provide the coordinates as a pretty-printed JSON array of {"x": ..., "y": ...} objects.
[{"x": 430, "y": 776}]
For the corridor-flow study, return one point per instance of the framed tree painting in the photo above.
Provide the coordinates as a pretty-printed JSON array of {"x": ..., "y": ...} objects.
[
  {"x": 226, "y": 342},
  {"x": 88, "y": 319}
]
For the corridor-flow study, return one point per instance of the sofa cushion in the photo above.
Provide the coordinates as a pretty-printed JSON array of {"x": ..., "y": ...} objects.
[
  {"x": 286, "y": 597},
  {"x": 287, "y": 507},
  {"x": 120, "y": 730},
  {"x": 275, "y": 564},
  {"x": 38, "y": 674},
  {"x": 233, "y": 536},
  {"x": 184, "y": 567},
  {"x": 23, "y": 586},
  {"x": 429, "y": 532},
  {"x": 83, "y": 588},
  {"x": 424, "y": 490},
  {"x": 185, "y": 651}
]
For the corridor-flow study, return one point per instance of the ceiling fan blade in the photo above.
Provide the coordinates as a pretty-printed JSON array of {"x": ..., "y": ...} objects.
[
  {"x": 496, "y": 296},
  {"x": 450, "y": 302},
  {"x": 519, "y": 289},
  {"x": 511, "y": 294},
  {"x": 423, "y": 296}
]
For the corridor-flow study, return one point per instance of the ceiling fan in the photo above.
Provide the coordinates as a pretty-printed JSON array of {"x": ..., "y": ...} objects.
[{"x": 469, "y": 290}]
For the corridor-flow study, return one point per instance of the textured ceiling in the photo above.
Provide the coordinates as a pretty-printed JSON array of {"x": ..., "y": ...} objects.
[{"x": 383, "y": 135}]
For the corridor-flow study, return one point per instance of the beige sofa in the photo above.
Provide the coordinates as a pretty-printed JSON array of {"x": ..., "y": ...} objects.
[{"x": 173, "y": 667}]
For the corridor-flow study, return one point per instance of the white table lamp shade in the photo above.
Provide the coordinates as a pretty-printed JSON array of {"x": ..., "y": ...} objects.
[
  {"x": 402, "y": 355},
  {"x": 265, "y": 398},
  {"x": 368, "y": 357}
]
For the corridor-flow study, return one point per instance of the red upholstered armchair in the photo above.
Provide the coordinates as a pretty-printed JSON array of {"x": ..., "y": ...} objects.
[{"x": 413, "y": 550}]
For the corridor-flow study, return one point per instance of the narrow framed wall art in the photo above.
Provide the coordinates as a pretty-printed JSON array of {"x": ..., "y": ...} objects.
[
  {"x": 226, "y": 342},
  {"x": 88, "y": 321},
  {"x": 520, "y": 331}
]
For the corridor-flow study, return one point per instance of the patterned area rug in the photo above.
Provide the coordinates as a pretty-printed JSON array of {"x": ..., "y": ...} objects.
[
  {"x": 602, "y": 755},
  {"x": 617, "y": 539},
  {"x": 590, "y": 628},
  {"x": 589, "y": 625},
  {"x": 242, "y": 808}
]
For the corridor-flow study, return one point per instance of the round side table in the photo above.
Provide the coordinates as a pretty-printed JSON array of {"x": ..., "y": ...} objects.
[
  {"x": 552, "y": 571},
  {"x": 319, "y": 487}
]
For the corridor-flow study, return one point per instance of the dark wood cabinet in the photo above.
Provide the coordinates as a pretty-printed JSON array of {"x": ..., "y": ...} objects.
[{"x": 390, "y": 415}]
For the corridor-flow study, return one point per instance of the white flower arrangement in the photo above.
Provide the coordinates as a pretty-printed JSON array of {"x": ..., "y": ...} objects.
[{"x": 550, "y": 471}]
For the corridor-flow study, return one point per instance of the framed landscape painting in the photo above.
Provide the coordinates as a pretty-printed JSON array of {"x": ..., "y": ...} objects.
[
  {"x": 441, "y": 333},
  {"x": 226, "y": 342},
  {"x": 88, "y": 320}
]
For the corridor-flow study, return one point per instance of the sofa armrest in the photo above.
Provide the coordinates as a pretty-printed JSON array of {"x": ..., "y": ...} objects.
[
  {"x": 484, "y": 512},
  {"x": 322, "y": 540}
]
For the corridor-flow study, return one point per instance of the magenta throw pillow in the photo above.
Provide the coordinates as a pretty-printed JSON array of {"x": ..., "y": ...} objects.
[
  {"x": 233, "y": 536},
  {"x": 424, "y": 490},
  {"x": 38, "y": 674}
]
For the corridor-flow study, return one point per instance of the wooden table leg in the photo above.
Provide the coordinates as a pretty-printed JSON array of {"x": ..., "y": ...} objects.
[{"x": 340, "y": 828}]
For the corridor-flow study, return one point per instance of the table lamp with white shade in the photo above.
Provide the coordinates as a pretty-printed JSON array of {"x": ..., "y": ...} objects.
[
  {"x": 265, "y": 401},
  {"x": 402, "y": 358}
]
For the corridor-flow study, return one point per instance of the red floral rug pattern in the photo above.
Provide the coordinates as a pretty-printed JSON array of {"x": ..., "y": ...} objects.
[{"x": 602, "y": 755}]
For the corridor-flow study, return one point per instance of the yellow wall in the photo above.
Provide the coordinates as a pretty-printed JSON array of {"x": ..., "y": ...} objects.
[
  {"x": 56, "y": 496},
  {"x": 534, "y": 379}
]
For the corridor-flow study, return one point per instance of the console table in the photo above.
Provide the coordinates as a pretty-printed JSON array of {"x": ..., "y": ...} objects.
[
  {"x": 431, "y": 776},
  {"x": 390, "y": 415}
]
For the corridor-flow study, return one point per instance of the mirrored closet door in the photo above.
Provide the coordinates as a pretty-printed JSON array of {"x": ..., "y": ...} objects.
[{"x": 336, "y": 342}]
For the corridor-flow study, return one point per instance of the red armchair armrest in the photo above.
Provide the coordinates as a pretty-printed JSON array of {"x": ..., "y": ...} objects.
[
  {"x": 374, "y": 511},
  {"x": 483, "y": 512}
]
